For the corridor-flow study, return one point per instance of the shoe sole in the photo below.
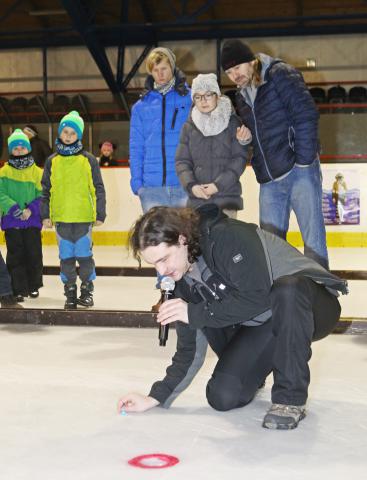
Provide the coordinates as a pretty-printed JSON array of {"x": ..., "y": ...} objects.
[
  {"x": 79, "y": 302},
  {"x": 277, "y": 426},
  {"x": 70, "y": 307}
]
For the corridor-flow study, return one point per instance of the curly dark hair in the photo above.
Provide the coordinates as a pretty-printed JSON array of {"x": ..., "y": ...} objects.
[{"x": 166, "y": 224}]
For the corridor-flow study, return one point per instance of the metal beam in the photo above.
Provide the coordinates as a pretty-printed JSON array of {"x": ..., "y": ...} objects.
[
  {"x": 151, "y": 36},
  {"x": 152, "y": 33},
  {"x": 10, "y": 10},
  {"x": 42, "y": 21},
  {"x": 184, "y": 8},
  {"x": 6, "y": 113},
  {"x": 135, "y": 67},
  {"x": 79, "y": 14},
  {"x": 43, "y": 108},
  {"x": 146, "y": 11},
  {"x": 238, "y": 21},
  {"x": 124, "y": 17},
  {"x": 44, "y": 69},
  {"x": 170, "y": 7},
  {"x": 202, "y": 9}
]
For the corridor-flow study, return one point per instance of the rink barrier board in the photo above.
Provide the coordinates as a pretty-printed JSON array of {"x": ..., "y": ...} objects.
[
  {"x": 120, "y": 238},
  {"x": 126, "y": 319},
  {"x": 151, "y": 272}
]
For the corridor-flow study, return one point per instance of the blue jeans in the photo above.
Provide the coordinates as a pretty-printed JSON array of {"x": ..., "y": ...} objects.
[
  {"x": 300, "y": 191},
  {"x": 162, "y": 196}
]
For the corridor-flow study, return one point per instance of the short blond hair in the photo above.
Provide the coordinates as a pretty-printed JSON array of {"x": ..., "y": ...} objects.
[{"x": 154, "y": 58}]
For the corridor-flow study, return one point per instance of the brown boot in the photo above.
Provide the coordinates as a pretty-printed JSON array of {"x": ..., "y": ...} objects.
[
  {"x": 9, "y": 301},
  {"x": 155, "y": 308}
]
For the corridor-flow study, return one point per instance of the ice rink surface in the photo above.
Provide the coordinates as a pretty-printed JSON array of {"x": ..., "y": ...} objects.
[{"x": 59, "y": 388}]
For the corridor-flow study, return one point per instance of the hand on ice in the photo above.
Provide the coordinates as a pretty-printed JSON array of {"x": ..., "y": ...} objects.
[{"x": 135, "y": 402}]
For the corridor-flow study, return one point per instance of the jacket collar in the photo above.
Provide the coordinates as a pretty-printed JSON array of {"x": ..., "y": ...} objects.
[
  {"x": 180, "y": 84},
  {"x": 267, "y": 63}
]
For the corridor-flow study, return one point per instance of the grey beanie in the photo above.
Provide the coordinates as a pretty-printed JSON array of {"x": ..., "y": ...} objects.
[
  {"x": 205, "y": 82},
  {"x": 168, "y": 53}
]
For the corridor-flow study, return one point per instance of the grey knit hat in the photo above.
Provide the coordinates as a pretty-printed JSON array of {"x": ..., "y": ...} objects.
[
  {"x": 168, "y": 53},
  {"x": 205, "y": 82}
]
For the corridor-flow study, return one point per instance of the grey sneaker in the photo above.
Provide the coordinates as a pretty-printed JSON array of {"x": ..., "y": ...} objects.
[{"x": 284, "y": 417}]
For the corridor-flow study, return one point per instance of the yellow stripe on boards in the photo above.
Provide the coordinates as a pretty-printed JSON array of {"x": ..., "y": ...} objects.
[
  {"x": 334, "y": 239},
  {"x": 108, "y": 238}
]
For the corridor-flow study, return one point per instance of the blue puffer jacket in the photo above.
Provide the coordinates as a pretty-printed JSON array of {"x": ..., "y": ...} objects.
[
  {"x": 155, "y": 127},
  {"x": 283, "y": 120}
]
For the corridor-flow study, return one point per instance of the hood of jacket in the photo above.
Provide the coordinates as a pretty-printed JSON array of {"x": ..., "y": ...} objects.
[{"x": 266, "y": 63}]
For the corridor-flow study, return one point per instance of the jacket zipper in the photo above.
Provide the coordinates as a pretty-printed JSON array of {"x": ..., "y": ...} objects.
[
  {"x": 174, "y": 118},
  {"x": 163, "y": 141},
  {"x": 258, "y": 141}
]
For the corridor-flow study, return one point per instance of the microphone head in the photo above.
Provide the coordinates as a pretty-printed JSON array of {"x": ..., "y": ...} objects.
[{"x": 167, "y": 284}]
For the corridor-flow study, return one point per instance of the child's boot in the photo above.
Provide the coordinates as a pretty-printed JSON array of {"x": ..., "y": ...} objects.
[
  {"x": 86, "y": 294},
  {"x": 70, "y": 293}
]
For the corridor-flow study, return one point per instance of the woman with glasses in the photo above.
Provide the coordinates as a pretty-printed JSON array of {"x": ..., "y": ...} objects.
[{"x": 211, "y": 155}]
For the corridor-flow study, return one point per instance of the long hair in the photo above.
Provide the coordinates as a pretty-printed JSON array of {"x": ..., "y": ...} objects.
[
  {"x": 256, "y": 78},
  {"x": 166, "y": 224}
]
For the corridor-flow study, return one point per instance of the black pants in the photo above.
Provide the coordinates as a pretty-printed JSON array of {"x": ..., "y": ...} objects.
[
  {"x": 5, "y": 281},
  {"x": 24, "y": 259},
  {"x": 303, "y": 311}
]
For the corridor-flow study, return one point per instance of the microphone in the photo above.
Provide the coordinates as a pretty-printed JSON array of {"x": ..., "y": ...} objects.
[{"x": 167, "y": 285}]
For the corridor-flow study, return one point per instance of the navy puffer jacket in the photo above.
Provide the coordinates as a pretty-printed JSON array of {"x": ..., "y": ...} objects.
[
  {"x": 155, "y": 127},
  {"x": 283, "y": 121}
]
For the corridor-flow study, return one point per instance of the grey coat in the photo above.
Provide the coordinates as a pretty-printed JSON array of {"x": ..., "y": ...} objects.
[{"x": 218, "y": 159}]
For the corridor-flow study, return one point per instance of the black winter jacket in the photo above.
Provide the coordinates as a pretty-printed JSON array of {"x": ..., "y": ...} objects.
[
  {"x": 283, "y": 121},
  {"x": 218, "y": 159},
  {"x": 246, "y": 260}
]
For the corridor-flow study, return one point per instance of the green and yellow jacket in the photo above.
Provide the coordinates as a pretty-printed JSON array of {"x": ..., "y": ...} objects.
[
  {"x": 19, "y": 189},
  {"x": 73, "y": 190}
]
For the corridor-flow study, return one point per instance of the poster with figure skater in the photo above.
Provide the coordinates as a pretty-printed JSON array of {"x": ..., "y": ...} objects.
[{"x": 341, "y": 197}]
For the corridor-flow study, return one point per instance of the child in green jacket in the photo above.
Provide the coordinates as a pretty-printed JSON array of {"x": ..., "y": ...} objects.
[
  {"x": 20, "y": 195},
  {"x": 73, "y": 200}
]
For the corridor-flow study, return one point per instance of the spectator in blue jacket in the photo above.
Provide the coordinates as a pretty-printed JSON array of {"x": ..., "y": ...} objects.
[
  {"x": 273, "y": 101},
  {"x": 155, "y": 127}
]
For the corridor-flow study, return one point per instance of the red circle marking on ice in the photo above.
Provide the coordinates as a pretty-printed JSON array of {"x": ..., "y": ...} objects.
[{"x": 154, "y": 460}]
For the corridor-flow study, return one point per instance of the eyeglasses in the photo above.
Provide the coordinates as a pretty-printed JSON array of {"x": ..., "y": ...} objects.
[{"x": 207, "y": 96}]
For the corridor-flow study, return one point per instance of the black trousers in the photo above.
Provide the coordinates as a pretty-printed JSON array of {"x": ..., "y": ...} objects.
[
  {"x": 302, "y": 312},
  {"x": 24, "y": 259},
  {"x": 5, "y": 280}
]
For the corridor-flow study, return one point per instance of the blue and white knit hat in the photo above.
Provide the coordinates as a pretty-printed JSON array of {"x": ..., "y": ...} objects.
[
  {"x": 18, "y": 139},
  {"x": 74, "y": 121}
]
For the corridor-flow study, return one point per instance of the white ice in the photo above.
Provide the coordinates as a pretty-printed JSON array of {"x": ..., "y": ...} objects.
[
  {"x": 60, "y": 385},
  {"x": 59, "y": 388}
]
